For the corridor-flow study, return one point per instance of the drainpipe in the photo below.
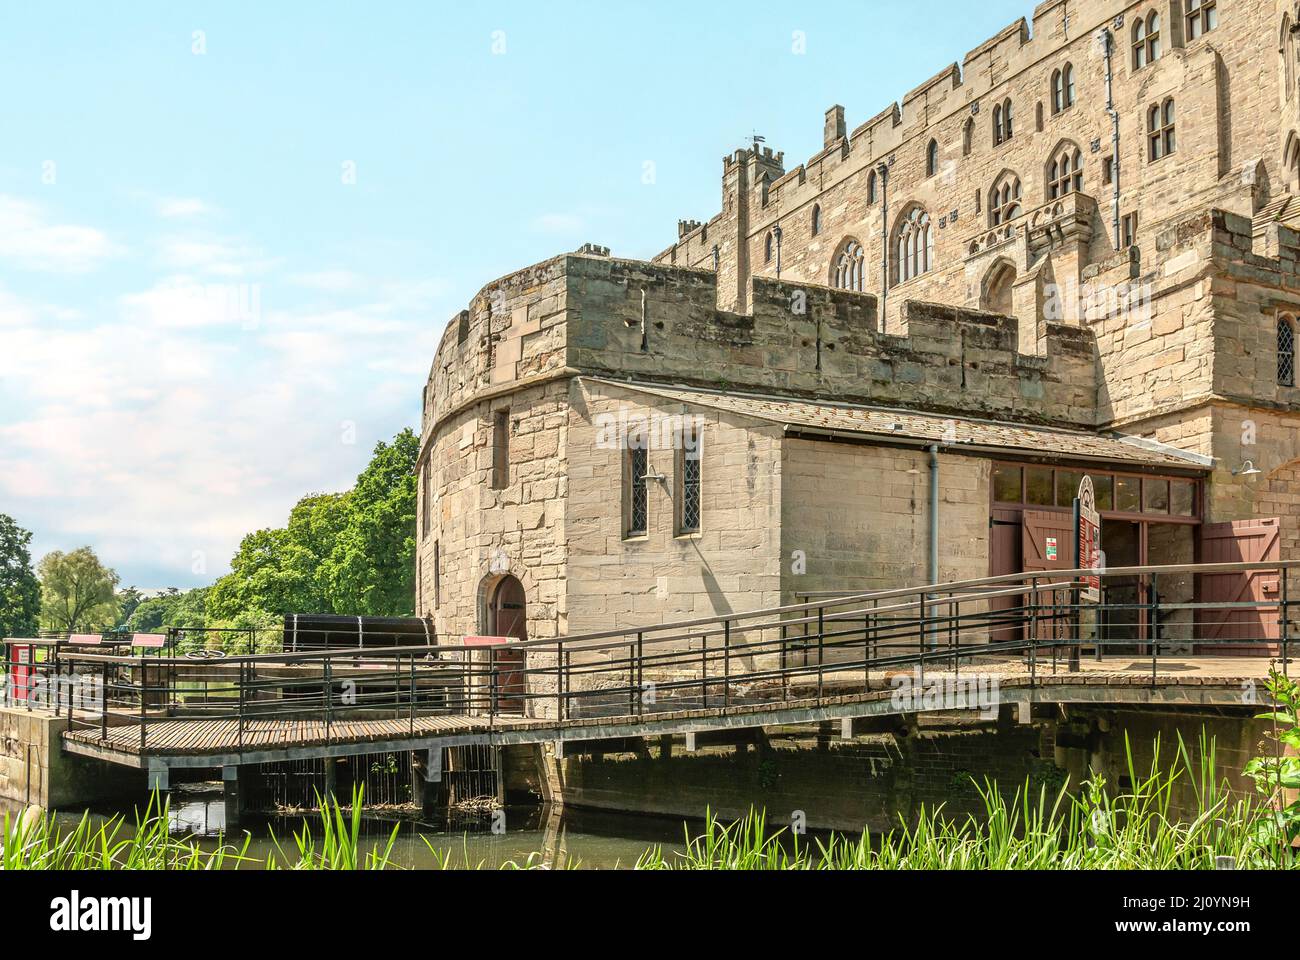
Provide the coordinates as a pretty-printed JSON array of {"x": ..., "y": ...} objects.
[
  {"x": 776, "y": 232},
  {"x": 882, "y": 171},
  {"x": 1107, "y": 43},
  {"x": 934, "y": 531}
]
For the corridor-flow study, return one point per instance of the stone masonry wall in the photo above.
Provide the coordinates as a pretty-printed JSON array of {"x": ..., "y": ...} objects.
[
  {"x": 860, "y": 516},
  {"x": 615, "y": 581}
]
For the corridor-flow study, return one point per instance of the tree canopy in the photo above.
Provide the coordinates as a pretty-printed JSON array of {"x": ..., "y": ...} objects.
[
  {"x": 77, "y": 592},
  {"x": 348, "y": 553},
  {"x": 20, "y": 591}
]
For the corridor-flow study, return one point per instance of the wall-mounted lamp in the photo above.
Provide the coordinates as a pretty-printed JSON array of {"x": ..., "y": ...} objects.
[{"x": 1247, "y": 469}]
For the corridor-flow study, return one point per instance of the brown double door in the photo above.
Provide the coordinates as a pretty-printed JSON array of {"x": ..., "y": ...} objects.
[
  {"x": 1240, "y": 541},
  {"x": 1024, "y": 541}
]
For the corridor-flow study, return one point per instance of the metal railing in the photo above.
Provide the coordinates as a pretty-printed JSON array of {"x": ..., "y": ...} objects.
[{"x": 821, "y": 647}]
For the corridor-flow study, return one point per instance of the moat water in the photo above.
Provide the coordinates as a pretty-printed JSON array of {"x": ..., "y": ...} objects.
[{"x": 522, "y": 836}]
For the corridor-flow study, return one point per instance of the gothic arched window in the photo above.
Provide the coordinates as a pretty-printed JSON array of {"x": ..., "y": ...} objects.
[
  {"x": 1160, "y": 130},
  {"x": 816, "y": 219},
  {"x": 1063, "y": 88},
  {"x": 1065, "y": 172},
  {"x": 1146, "y": 40},
  {"x": 1002, "y": 128},
  {"x": 932, "y": 158},
  {"x": 1004, "y": 199},
  {"x": 913, "y": 245},
  {"x": 1202, "y": 17},
  {"x": 848, "y": 266}
]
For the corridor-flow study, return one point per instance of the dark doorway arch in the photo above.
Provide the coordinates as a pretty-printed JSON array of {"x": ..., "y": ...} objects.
[
  {"x": 507, "y": 609},
  {"x": 995, "y": 293}
]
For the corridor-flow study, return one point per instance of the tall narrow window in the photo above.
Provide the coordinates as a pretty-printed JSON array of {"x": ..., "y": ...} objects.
[
  {"x": 1065, "y": 172},
  {"x": 638, "y": 465},
  {"x": 848, "y": 268},
  {"x": 871, "y": 187},
  {"x": 816, "y": 219},
  {"x": 688, "y": 481},
  {"x": 501, "y": 450},
  {"x": 1160, "y": 130},
  {"x": 1286, "y": 351},
  {"x": 1128, "y": 228},
  {"x": 967, "y": 136},
  {"x": 932, "y": 159},
  {"x": 1146, "y": 40},
  {"x": 426, "y": 482},
  {"x": 437, "y": 575},
  {"x": 1202, "y": 17},
  {"x": 914, "y": 246},
  {"x": 1063, "y": 88},
  {"x": 1004, "y": 199},
  {"x": 1002, "y": 128},
  {"x": 767, "y": 249}
]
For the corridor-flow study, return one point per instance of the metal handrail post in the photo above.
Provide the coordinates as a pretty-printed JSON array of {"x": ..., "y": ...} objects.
[
  {"x": 1154, "y": 625},
  {"x": 640, "y": 673},
  {"x": 726, "y": 663},
  {"x": 329, "y": 698},
  {"x": 821, "y": 647},
  {"x": 1033, "y": 632},
  {"x": 1284, "y": 627},
  {"x": 103, "y": 703}
]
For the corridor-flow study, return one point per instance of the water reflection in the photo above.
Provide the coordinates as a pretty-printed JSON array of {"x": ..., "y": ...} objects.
[{"x": 525, "y": 836}]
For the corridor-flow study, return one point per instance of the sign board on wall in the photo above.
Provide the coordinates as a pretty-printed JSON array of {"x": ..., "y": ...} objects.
[
  {"x": 1051, "y": 548},
  {"x": 1088, "y": 548}
]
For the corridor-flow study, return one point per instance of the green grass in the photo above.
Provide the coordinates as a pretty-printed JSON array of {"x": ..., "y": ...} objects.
[
  {"x": 1096, "y": 829},
  {"x": 1092, "y": 828}
]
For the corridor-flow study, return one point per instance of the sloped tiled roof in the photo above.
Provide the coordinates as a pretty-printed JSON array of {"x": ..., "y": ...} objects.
[{"x": 952, "y": 431}]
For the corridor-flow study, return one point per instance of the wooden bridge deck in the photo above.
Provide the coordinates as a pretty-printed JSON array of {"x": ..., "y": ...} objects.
[
  {"x": 201, "y": 737},
  {"x": 201, "y": 742}
]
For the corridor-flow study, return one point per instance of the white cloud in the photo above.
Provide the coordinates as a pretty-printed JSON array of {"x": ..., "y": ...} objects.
[
  {"x": 30, "y": 241},
  {"x": 213, "y": 255},
  {"x": 329, "y": 281},
  {"x": 173, "y": 208}
]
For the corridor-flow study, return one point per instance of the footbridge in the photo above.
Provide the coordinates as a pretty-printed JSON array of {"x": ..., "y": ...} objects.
[{"x": 1191, "y": 635}]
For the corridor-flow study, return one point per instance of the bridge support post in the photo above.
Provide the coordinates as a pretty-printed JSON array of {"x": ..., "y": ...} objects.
[
  {"x": 158, "y": 779},
  {"x": 233, "y": 796},
  {"x": 428, "y": 788}
]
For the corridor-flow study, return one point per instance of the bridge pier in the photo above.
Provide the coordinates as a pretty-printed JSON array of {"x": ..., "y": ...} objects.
[
  {"x": 232, "y": 796},
  {"x": 428, "y": 786}
]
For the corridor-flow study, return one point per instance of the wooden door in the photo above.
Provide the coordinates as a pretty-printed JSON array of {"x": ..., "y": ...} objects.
[
  {"x": 510, "y": 619},
  {"x": 1047, "y": 543},
  {"x": 1239, "y": 541},
  {"x": 1004, "y": 558}
]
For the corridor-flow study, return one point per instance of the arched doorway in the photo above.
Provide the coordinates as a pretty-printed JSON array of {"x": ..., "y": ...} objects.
[
  {"x": 505, "y": 616},
  {"x": 507, "y": 609},
  {"x": 995, "y": 296}
]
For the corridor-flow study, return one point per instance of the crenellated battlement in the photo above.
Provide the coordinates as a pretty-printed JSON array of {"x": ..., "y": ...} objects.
[{"x": 655, "y": 322}]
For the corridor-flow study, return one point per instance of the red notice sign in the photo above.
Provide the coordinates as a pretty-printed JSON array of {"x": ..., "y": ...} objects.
[{"x": 1088, "y": 549}]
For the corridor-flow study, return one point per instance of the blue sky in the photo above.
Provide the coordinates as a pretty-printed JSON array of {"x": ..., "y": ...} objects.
[{"x": 231, "y": 233}]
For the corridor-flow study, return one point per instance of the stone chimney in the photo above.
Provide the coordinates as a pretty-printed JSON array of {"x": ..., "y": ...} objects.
[{"x": 835, "y": 129}]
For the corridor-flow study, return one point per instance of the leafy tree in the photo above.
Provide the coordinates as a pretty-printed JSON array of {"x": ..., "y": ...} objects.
[
  {"x": 20, "y": 591},
  {"x": 77, "y": 591},
  {"x": 371, "y": 569},
  {"x": 278, "y": 571},
  {"x": 349, "y": 553},
  {"x": 127, "y": 601}
]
